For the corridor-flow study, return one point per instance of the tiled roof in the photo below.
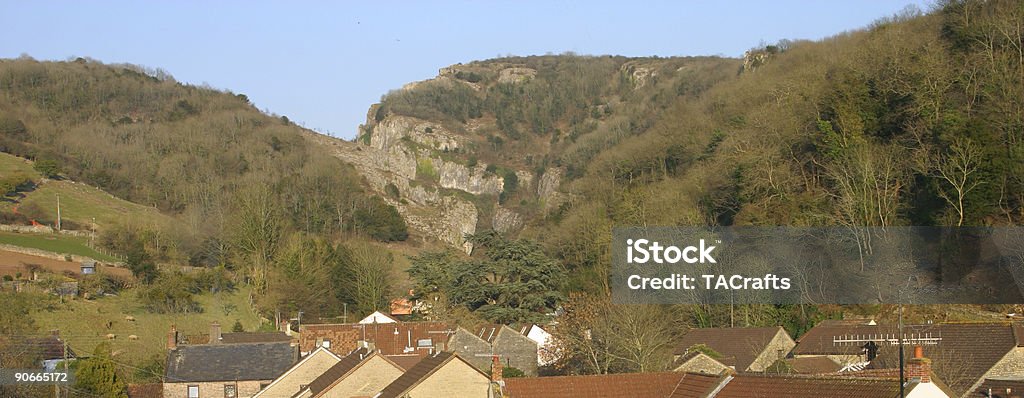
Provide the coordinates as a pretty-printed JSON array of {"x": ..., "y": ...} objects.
[
  {"x": 418, "y": 373},
  {"x": 338, "y": 370},
  {"x": 217, "y": 362},
  {"x": 813, "y": 365},
  {"x": 1008, "y": 388},
  {"x": 666, "y": 384},
  {"x": 976, "y": 347},
  {"x": 50, "y": 347},
  {"x": 405, "y": 361},
  {"x": 737, "y": 346},
  {"x": 388, "y": 338},
  {"x": 761, "y": 386}
]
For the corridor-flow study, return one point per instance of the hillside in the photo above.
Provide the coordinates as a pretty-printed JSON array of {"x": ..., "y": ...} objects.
[{"x": 914, "y": 120}]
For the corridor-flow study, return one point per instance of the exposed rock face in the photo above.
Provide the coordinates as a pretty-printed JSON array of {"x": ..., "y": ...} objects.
[
  {"x": 547, "y": 189},
  {"x": 516, "y": 75},
  {"x": 639, "y": 74},
  {"x": 390, "y": 132},
  {"x": 475, "y": 181},
  {"x": 506, "y": 220}
]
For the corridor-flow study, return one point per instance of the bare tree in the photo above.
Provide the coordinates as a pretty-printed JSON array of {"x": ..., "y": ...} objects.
[{"x": 957, "y": 169}]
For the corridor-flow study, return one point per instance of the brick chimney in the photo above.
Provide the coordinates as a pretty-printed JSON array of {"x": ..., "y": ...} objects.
[
  {"x": 215, "y": 332},
  {"x": 172, "y": 339},
  {"x": 496, "y": 369},
  {"x": 919, "y": 367}
]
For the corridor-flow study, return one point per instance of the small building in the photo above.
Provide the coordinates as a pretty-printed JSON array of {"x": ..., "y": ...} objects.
[
  {"x": 378, "y": 317},
  {"x": 546, "y": 352},
  {"x": 513, "y": 348},
  {"x": 88, "y": 267},
  {"x": 444, "y": 374}
]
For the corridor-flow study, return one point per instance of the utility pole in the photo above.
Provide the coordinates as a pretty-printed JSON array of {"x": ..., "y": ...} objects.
[{"x": 902, "y": 387}]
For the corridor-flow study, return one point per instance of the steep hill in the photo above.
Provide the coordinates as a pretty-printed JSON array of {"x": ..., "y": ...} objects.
[{"x": 917, "y": 119}]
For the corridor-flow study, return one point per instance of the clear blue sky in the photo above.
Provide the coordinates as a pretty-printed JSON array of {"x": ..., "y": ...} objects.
[{"x": 323, "y": 63}]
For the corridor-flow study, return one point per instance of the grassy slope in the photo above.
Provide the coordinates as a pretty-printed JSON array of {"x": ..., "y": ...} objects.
[
  {"x": 61, "y": 244},
  {"x": 83, "y": 323}
]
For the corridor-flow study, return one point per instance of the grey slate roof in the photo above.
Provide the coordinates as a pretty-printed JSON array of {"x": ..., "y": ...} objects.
[{"x": 219, "y": 362}]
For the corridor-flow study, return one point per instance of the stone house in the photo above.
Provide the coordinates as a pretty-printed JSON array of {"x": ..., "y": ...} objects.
[
  {"x": 738, "y": 349},
  {"x": 301, "y": 375},
  {"x": 361, "y": 373},
  {"x": 444, "y": 374},
  {"x": 513, "y": 348},
  {"x": 224, "y": 370}
]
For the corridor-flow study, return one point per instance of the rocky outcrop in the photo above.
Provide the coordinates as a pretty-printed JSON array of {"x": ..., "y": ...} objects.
[
  {"x": 639, "y": 74},
  {"x": 547, "y": 189},
  {"x": 473, "y": 180},
  {"x": 505, "y": 220},
  {"x": 394, "y": 129},
  {"x": 516, "y": 75}
]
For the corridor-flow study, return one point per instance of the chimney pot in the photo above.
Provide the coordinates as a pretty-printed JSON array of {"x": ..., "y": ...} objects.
[{"x": 918, "y": 352}]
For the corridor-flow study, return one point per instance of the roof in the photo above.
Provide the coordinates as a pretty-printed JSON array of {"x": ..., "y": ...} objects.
[
  {"x": 405, "y": 361},
  {"x": 388, "y": 338},
  {"x": 666, "y": 384},
  {"x": 975, "y": 346},
  {"x": 217, "y": 362},
  {"x": 739, "y": 346},
  {"x": 254, "y": 337},
  {"x": 151, "y": 390},
  {"x": 332, "y": 374},
  {"x": 762, "y": 386},
  {"x": 813, "y": 365},
  {"x": 378, "y": 317},
  {"x": 1006, "y": 388},
  {"x": 488, "y": 332},
  {"x": 50, "y": 347},
  {"x": 420, "y": 372}
]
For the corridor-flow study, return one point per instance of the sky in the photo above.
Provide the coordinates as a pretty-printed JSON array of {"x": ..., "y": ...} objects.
[{"x": 323, "y": 63}]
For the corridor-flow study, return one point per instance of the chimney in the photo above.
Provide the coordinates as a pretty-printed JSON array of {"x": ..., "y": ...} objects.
[
  {"x": 919, "y": 367},
  {"x": 496, "y": 369},
  {"x": 172, "y": 339},
  {"x": 215, "y": 332}
]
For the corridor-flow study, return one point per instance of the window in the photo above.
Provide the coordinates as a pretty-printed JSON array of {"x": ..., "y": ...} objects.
[
  {"x": 193, "y": 391},
  {"x": 229, "y": 391},
  {"x": 327, "y": 343},
  {"x": 425, "y": 343}
]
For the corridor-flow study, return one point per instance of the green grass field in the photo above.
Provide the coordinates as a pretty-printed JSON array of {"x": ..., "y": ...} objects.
[
  {"x": 12, "y": 165},
  {"x": 84, "y": 324},
  {"x": 61, "y": 244},
  {"x": 80, "y": 203}
]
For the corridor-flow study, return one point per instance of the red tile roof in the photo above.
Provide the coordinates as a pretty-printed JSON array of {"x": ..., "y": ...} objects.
[
  {"x": 762, "y": 386},
  {"x": 388, "y": 338},
  {"x": 813, "y": 365},
  {"x": 666, "y": 384}
]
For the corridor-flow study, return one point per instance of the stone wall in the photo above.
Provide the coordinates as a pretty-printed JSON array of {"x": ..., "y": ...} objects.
[
  {"x": 214, "y": 388},
  {"x": 516, "y": 350}
]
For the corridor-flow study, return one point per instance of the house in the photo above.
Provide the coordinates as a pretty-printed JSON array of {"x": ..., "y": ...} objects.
[
  {"x": 390, "y": 338},
  {"x": 546, "y": 354},
  {"x": 1001, "y": 388},
  {"x": 362, "y": 373},
  {"x": 401, "y": 306},
  {"x": 224, "y": 370},
  {"x": 301, "y": 375},
  {"x": 739, "y": 349},
  {"x": 965, "y": 354},
  {"x": 444, "y": 374},
  {"x": 624, "y": 385},
  {"x": 51, "y": 350},
  {"x": 513, "y": 348},
  {"x": 378, "y": 317}
]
